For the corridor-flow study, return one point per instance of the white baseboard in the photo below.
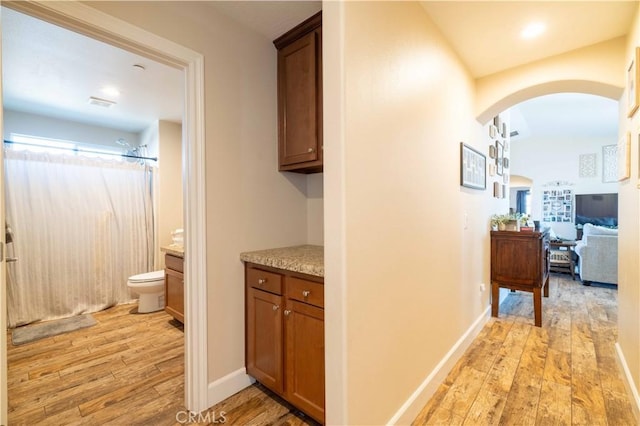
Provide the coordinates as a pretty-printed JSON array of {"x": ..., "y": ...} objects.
[
  {"x": 411, "y": 408},
  {"x": 228, "y": 385},
  {"x": 632, "y": 389}
]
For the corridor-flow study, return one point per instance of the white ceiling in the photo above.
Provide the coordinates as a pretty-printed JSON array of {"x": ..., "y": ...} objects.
[
  {"x": 486, "y": 34},
  {"x": 51, "y": 71}
]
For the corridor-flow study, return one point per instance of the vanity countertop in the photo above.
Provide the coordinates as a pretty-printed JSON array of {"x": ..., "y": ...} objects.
[
  {"x": 173, "y": 249},
  {"x": 306, "y": 259}
]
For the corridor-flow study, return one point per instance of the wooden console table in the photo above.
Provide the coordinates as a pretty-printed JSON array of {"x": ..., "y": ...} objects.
[{"x": 520, "y": 261}]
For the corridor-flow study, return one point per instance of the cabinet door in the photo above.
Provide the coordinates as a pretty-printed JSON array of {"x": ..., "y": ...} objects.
[
  {"x": 174, "y": 294},
  {"x": 264, "y": 338},
  {"x": 299, "y": 102},
  {"x": 305, "y": 357}
]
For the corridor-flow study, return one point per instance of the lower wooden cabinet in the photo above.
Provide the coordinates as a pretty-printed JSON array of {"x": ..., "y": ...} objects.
[
  {"x": 285, "y": 335},
  {"x": 174, "y": 287}
]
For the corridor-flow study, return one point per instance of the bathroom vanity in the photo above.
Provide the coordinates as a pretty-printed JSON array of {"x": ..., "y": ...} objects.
[
  {"x": 174, "y": 281},
  {"x": 284, "y": 329}
]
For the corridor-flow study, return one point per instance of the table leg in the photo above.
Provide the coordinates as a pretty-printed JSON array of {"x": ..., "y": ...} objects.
[
  {"x": 495, "y": 299},
  {"x": 537, "y": 306}
]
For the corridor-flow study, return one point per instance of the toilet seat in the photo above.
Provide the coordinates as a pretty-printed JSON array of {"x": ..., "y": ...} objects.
[{"x": 147, "y": 277}]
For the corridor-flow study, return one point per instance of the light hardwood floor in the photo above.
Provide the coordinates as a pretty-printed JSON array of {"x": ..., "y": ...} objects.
[
  {"x": 129, "y": 370},
  {"x": 564, "y": 373}
]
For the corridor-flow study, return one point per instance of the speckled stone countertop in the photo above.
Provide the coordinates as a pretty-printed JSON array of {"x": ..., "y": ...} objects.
[
  {"x": 306, "y": 259},
  {"x": 173, "y": 249}
]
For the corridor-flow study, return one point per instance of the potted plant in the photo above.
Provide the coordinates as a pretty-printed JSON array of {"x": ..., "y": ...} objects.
[{"x": 498, "y": 222}]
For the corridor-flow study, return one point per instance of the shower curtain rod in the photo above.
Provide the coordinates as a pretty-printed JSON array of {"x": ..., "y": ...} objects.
[{"x": 84, "y": 150}]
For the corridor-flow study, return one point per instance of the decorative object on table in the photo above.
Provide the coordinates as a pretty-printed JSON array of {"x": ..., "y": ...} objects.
[
  {"x": 509, "y": 222},
  {"x": 610, "y": 163},
  {"x": 499, "y": 158},
  {"x": 624, "y": 157},
  {"x": 633, "y": 97},
  {"x": 492, "y": 151},
  {"x": 587, "y": 165},
  {"x": 557, "y": 205},
  {"x": 472, "y": 168}
]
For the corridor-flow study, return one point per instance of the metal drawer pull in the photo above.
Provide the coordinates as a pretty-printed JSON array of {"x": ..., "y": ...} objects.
[
  {"x": 287, "y": 312},
  {"x": 306, "y": 293},
  {"x": 276, "y": 307},
  {"x": 11, "y": 259},
  {"x": 262, "y": 281},
  {"x": 310, "y": 150}
]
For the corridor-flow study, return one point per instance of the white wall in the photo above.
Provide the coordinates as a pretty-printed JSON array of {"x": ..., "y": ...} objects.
[
  {"x": 629, "y": 240},
  {"x": 315, "y": 209},
  {"x": 169, "y": 183},
  {"x": 47, "y": 127},
  {"x": 551, "y": 159},
  {"x": 403, "y": 287}
]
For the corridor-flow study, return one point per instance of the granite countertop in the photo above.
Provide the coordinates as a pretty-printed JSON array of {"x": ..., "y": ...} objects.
[
  {"x": 306, "y": 259},
  {"x": 173, "y": 249}
]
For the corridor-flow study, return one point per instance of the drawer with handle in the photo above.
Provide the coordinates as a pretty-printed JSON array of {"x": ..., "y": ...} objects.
[
  {"x": 263, "y": 280},
  {"x": 305, "y": 291}
]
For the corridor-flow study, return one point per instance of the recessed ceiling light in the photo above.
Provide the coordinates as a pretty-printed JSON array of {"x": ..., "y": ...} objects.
[
  {"x": 111, "y": 91},
  {"x": 105, "y": 103},
  {"x": 533, "y": 30}
]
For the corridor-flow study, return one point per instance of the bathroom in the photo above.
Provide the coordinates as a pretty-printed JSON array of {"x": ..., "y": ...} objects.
[
  {"x": 92, "y": 250},
  {"x": 64, "y": 265}
]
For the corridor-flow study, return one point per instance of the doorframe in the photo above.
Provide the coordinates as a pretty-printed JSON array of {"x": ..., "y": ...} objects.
[{"x": 93, "y": 23}]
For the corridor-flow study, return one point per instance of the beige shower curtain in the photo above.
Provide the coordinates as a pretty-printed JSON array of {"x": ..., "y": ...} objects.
[{"x": 81, "y": 226}]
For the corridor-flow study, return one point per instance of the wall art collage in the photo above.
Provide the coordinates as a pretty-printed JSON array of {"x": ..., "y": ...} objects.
[{"x": 499, "y": 156}]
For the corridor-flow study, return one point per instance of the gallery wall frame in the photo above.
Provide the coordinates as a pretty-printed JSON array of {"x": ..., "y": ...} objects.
[
  {"x": 610, "y": 163},
  {"x": 499, "y": 158},
  {"x": 624, "y": 157},
  {"x": 473, "y": 168}
]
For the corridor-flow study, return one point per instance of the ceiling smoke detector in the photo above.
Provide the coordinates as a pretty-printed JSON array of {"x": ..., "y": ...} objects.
[{"x": 105, "y": 103}]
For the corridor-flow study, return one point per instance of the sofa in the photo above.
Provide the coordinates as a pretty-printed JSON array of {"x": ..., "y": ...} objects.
[{"x": 598, "y": 255}]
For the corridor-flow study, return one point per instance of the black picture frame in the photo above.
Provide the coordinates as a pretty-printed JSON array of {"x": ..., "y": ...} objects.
[{"x": 473, "y": 168}]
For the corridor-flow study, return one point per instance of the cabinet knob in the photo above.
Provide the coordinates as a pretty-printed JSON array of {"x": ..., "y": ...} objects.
[
  {"x": 287, "y": 312},
  {"x": 262, "y": 281},
  {"x": 306, "y": 293},
  {"x": 275, "y": 307},
  {"x": 310, "y": 150}
]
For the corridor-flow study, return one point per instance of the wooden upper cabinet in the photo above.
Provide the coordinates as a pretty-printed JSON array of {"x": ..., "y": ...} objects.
[{"x": 300, "y": 97}]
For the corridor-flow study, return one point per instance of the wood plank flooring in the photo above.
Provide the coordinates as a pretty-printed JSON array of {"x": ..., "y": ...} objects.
[
  {"x": 126, "y": 370},
  {"x": 129, "y": 369},
  {"x": 564, "y": 373}
]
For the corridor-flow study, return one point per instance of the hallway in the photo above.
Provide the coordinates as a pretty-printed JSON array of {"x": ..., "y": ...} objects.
[{"x": 563, "y": 373}]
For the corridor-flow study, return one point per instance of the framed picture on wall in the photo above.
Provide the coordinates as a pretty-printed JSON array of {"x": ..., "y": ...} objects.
[
  {"x": 499, "y": 158},
  {"x": 473, "y": 168},
  {"x": 624, "y": 157},
  {"x": 632, "y": 84}
]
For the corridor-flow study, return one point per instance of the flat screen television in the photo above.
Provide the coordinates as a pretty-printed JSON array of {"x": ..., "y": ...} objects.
[{"x": 597, "y": 209}]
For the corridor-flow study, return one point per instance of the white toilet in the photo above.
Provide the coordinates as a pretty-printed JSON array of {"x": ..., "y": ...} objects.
[{"x": 150, "y": 287}]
